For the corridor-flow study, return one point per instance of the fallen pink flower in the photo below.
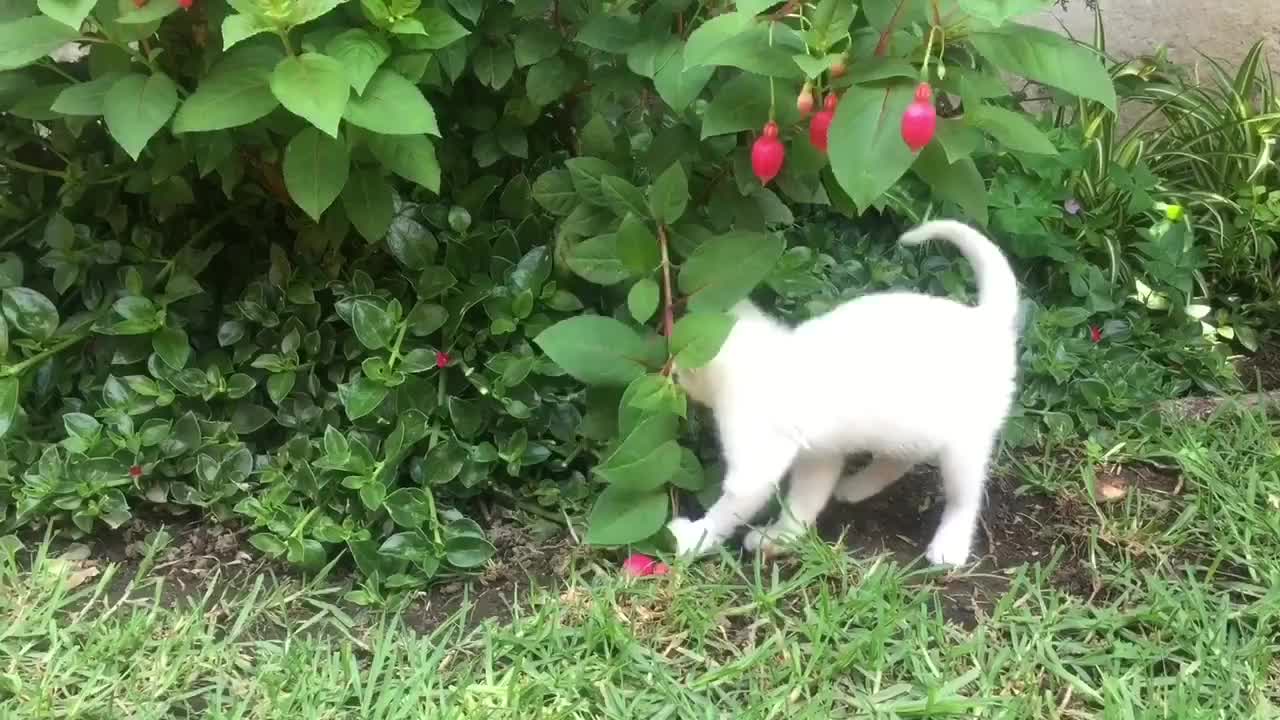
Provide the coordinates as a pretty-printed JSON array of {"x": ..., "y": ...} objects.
[{"x": 643, "y": 566}]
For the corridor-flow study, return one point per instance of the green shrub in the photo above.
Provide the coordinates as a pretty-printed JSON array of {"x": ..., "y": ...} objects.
[{"x": 334, "y": 268}]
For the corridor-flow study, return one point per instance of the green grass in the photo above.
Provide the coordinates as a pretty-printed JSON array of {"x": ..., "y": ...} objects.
[{"x": 1184, "y": 622}]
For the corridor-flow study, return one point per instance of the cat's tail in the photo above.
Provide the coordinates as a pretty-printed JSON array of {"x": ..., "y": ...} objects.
[{"x": 997, "y": 288}]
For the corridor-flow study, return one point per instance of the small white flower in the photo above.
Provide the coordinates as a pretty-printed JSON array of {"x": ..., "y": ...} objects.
[{"x": 71, "y": 52}]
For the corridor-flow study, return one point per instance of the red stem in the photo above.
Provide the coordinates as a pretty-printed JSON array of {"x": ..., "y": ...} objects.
[
  {"x": 883, "y": 46},
  {"x": 668, "y": 305}
]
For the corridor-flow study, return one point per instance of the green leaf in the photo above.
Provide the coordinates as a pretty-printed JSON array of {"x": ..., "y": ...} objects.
[
  {"x": 998, "y": 12},
  {"x": 361, "y": 397},
  {"x": 713, "y": 35},
  {"x": 268, "y": 544},
  {"x": 960, "y": 182},
  {"x": 493, "y": 65},
  {"x": 370, "y": 203},
  {"x": 151, "y": 12},
  {"x": 677, "y": 84},
  {"x": 690, "y": 475},
  {"x": 29, "y": 39},
  {"x": 248, "y": 418},
  {"x": 361, "y": 54},
  {"x": 172, "y": 346},
  {"x": 866, "y": 149},
  {"x": 315, "y": 170},
  {"x": 549, "y": 80},
  {"x": 314, "y": 87},
  {"x": 762, "y": 48},
  {"x": 598, "y": 350},
  {"x": 726, "y": 268},
  {"x": 391, "y": 105},
  {"x": 1011, "y": 129},
  {"x": 374, "y": 326},
  {"x": 622, "y": 197},
  {"x": 1048, "y": 58},
  {"x": 68, "y": 12},
  {"x": 238, "y": 28},
  {"x": 646, "y": 459},
  {"x": 637, "y": 247},
  {"x": 535, "y": 44},
  {"x": 669, "y": 195},
  {"x": 236, "y": 92},
  {"x": 596, "y": 260},
  {"x": 586, "y": 174},
  {"x": 8, "y": 403},
  {"x": 434, "y": 280},
  {"x": 412, "y": 157},
  {"x": 609, "y": 33},
  {"x": 411, "y": 243},
  {"x": 642, "y": 300},
  {"x": 30, "y": 312},
  {"x": 743, "y": 104},
  {"x": 280, "y": 384},
  {"x": 87, "y": 99},
  {"x": 620, "y": 517},
  {"x": 698, "y": 337},
  {"x": 441, "y": 29},
  {"x": 468, "y": 551},
  {"x": 136, "y": 107},
  {"x": 554, "y": 191}
]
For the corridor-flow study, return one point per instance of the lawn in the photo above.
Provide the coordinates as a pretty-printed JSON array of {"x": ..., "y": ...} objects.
[{"x": 1137, "y": 581}]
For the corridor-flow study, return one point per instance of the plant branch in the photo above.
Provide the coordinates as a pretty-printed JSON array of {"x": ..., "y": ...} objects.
[
  {"x": 668, "y": 305},
  {"x": 22, "y": 367},
  {"x": 19, "y": 165}
]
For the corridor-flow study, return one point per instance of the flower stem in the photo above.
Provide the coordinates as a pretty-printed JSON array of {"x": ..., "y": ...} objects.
[
  {"x": 668, "y": 305},
  {"x": 22, "y": 367}
]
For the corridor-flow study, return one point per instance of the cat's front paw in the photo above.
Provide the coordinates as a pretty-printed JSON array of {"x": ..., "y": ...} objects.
[
  {"x": 691, "y": 537},
  {"x": 949, "y": 554},
  {"x": 769, "y": 541}
]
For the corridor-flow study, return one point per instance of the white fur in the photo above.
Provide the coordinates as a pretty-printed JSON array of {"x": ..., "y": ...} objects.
[{"x": 904, "y": 376}]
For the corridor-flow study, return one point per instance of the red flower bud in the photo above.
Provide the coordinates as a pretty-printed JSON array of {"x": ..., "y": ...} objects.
[
  {"x": 1095, "y": 334},
  {"x": 139, "y": 3},
  {"x": 642, "y": 565},
  {"x": 820, "y": 125},
  {"x": 838, "y": 68},
  {"x": 804, "y": 101},
  {"x": 767, "y": 154},
  {"x": 920, "y": 121},
  {"x": 442, "y": 359},
  {"x": 186, "y": 4},
  {"x": 135, "y": 471}
]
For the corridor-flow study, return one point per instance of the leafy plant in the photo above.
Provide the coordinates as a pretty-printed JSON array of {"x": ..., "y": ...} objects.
[{"x": 336, "y": 268}]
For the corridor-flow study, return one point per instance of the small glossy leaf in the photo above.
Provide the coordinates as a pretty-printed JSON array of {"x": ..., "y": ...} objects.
[{"x": 642, "y": 300}]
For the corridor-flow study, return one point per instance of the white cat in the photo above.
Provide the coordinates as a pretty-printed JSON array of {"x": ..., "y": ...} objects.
[{"x": 904, "y": 376}]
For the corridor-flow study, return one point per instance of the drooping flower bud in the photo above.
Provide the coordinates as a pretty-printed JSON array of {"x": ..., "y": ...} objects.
[
  {"x": 820, "y": 126},
  {"x": 804, "y": 101},
  {"x": 767, "y": 154},
  {"x": 920, "y": 121}
]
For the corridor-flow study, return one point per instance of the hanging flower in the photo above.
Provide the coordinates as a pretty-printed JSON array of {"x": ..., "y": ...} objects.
[
  {"x": 804, "y": 101},
  {"x": 767, "y": 154},
  {"x": 920, "y": 120},
  {"x": 820, "y": 126}
]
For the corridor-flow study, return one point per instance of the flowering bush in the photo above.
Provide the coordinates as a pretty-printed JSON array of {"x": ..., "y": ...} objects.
[{"x": 333, "y": 268}]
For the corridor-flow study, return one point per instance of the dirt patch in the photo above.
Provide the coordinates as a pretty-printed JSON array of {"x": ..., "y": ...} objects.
[{"x": 1260, "y": 370}]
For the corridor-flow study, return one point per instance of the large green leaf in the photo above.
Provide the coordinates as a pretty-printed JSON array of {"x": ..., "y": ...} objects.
[
  {"x": 726, "y": 268},
  {"x": 866, "y": 148},
  {"x": 87, "y": 98},
  {"x": 29, "y": 312},
  {"x": 678, "y": 85},
  {"x": 599, "y": 350},
  {"x": 361, "y": 54},
  {"x": 412, "y": 157},
  {"x": 1048, "y": 58},
  {"x": 8, "y": 403},
  {"x": 698, "y": 336},
  {"x": 669, "y": 194},
  {"x": 1011, "y": 129},
  {"x": 622, "y": 197},
  {"x": 762, "y": 48},
  {"x": 959, "y": 181},
  {"x": 620, "y": 517},
  {"x": 314, "y": 87},
  {"x": 596, "y": 260},
  {"x": 369, "y": 201},
  {"x": 743, "y": 104},
  {"x": 29, "y": 39},
  {"x": 646, "y": 458},
  {"x": 998, "y": 12},
  {"x": 392, "y": 105},
  {"x": 236, "y": 92},
  {"x": 68, "y": 12},
  {"x": 315, "y": 170},
  {"x": 136, "y": 107}
]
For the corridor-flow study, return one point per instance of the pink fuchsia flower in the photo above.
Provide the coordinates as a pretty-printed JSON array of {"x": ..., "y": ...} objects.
[
  {"x": 442, "y": 360},
  {"x": 639, "y": 565},
  {"x": 1095, "y": 334}
]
